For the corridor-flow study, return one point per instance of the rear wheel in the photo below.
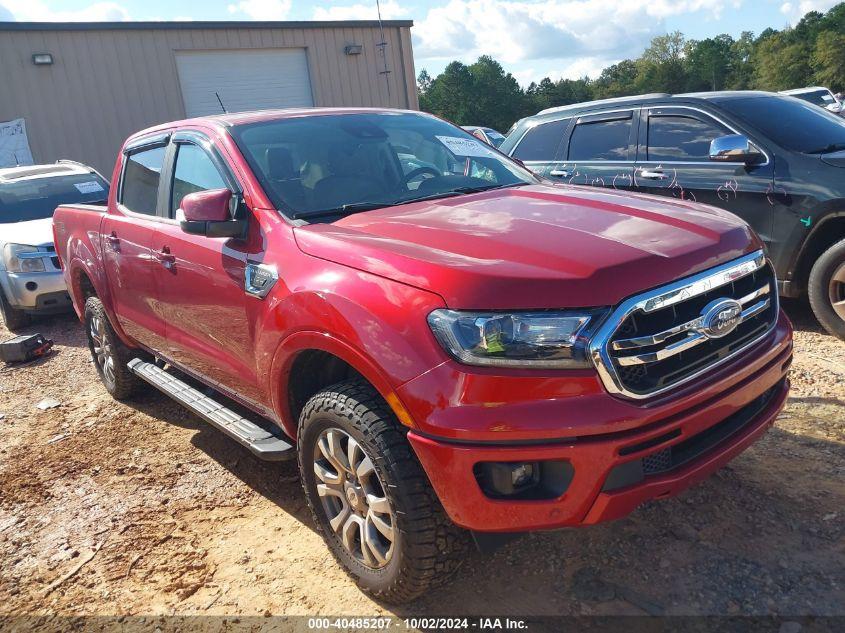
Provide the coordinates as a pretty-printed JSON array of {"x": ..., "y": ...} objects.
[
  {"x": 13, "y": 318},
  {"x": 370, "y": 498},
  {"x": 826, "y": 288},
  {"x": 108, "y": 351}
]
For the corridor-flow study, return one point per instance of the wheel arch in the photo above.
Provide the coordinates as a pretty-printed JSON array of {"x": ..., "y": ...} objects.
[{"x": 827, "y": 232}]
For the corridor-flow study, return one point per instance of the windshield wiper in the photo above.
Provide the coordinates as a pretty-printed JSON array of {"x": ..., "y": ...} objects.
[
  {"x": 827, "y": 149},
  {"x": 357, "y": 207}
]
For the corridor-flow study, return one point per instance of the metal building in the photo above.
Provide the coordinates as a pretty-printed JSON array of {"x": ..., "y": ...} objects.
[{"x": 82, "y": 88}]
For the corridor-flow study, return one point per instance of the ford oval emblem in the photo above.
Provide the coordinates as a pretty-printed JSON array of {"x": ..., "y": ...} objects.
[{"x": 720, "y": 317}]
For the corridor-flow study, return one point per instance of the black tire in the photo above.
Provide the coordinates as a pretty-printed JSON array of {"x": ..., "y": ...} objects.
[
  {"x": 118, "y": 380},
  {"x": 826, "y": 287},
  {"x": 427, "y": 547},
  {"x": 13, "y": 318}
]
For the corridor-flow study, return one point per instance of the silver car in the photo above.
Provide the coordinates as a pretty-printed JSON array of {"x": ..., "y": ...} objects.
[{"x": 30, "y": 276}]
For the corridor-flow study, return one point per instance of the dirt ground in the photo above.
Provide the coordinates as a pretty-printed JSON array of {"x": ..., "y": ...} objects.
[{"x": 109, "y": 508}]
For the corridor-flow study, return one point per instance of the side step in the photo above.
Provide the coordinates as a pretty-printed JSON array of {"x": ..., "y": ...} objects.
[{"x": 261, "y": 443}]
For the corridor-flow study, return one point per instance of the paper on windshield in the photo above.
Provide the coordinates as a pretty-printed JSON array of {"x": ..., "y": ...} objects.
[
  {"x": 92, "y": 186},
  {"x": 465, "y": 146}
]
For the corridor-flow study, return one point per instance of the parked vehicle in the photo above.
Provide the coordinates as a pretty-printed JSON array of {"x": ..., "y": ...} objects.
[
  {"x": 30, "y": 278},
  {"x": 486, "y": 134},
  {"x": 773, "y": 160},
  {"x": 819, "y": 96},
  {"x": 481, "y": 354}
]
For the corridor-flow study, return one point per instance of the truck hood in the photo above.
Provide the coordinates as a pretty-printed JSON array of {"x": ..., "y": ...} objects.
[
  {"x": 533, "y": 247},
  {"x": 33, "y": 232}
]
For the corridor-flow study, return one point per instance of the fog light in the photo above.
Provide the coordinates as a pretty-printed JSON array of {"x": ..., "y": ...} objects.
[{"x": 521, "y": 474}]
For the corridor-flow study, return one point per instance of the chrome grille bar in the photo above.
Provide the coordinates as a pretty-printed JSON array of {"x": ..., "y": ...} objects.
[{"x": 655, "y": 339}]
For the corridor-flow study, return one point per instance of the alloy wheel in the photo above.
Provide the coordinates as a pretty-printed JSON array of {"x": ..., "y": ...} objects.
[
  {"x": 353, "y": 498},
  {"x": 836, "y": 290},
  {"x": 102, "y": 348}
]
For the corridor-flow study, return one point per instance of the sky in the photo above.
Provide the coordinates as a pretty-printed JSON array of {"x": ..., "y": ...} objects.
[{"x": 532, "y": 39}]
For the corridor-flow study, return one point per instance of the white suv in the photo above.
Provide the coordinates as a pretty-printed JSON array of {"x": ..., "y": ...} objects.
[{"x": 819, "y": 96}]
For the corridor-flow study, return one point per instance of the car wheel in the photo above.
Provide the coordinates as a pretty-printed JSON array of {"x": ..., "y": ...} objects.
[
  {"x": 13, "y": 318},
  {"x": 826, "y": 288},
  {"x": 108, "y": 351},
  {"x": 370, "y": 498}
]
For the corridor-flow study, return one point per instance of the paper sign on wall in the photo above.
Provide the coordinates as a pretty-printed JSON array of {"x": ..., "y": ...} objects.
[
  {"x": 14, "y": 145},
  {"x": 465, "y": 146}
]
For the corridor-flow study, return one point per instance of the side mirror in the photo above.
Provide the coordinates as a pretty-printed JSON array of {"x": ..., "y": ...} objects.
[
  {"x": 836, "y": 108},
  {"x": 209, "y": 213},
  {"x": 735, "y": 148}
]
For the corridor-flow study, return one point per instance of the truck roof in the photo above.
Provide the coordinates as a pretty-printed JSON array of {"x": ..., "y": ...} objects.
[
  {"x": 230, "y": 119},
  {"x": 31, "y": 172}
]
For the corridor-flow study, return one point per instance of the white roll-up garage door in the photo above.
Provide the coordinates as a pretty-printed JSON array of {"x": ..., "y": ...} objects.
[{"x": 255, "y": 79}]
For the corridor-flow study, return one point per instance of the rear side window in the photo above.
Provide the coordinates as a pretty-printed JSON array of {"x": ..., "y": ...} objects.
[
  {"x": 681, "y": 138},
  {"x": 195, "y": 171},
  {"x": 600, "y": 140},
  {"x": 141, "y": 176},
  {"x": 541, "y": 141}
]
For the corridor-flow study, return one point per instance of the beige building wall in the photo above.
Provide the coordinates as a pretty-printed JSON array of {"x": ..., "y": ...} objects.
[{"x": 109, "y": 80}]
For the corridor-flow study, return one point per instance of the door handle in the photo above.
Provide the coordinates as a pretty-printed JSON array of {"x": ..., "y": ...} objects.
[
  {"x": 652, "y": 174},
  {"x": 165, "y": 257},
  {"x": 563, "y": 173}
]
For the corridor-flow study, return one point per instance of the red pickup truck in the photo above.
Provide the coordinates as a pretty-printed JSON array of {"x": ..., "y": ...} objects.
[{"x": 450, "y": 346}]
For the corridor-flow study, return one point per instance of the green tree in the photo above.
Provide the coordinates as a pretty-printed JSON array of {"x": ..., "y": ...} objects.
[
  {"x": 828, "y": 60},
  {"x": 617, "y": 80},
  {"x": 661, "y": 67},
  {"x": 780, "y": 65},
  {"x": 709, "y": 62}
]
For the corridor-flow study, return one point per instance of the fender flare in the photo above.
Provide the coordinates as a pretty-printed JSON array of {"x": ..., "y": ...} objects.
[
  {"x": 77, "y": 266},
  {"x": 820, "y": 226},
  {"x": 287, "y": 352}
]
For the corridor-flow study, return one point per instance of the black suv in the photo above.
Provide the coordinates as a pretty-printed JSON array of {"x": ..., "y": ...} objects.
[{"x": 775, "y": 161}]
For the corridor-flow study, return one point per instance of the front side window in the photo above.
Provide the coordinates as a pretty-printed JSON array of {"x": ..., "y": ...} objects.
[
  {"x": 141, "y": 176},
  {"x": 37, "y": 198},
  {"x": 541, "y": 141},
  {"x": 194, "y": 171},
  {"x": 321, "y": 166},
  {"x": 600, "y": 140},
  {"x": 681, "y": 138}
]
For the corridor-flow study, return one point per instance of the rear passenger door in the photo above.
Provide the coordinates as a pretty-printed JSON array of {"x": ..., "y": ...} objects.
[
  {"x": 540, "y": 146},
  {"x": 674, "y": 160},
  {"x": 600, "y": 150}
]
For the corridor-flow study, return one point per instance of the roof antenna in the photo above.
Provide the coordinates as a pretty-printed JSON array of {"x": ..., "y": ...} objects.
[
  {"x": 17, "y": 162},
  {"x": 382, "y": 46},
  {"x": 220, "y": 101}
]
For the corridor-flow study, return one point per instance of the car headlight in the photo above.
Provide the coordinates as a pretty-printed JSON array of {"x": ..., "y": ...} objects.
[
  {"x": 16, "y": 261},
  {"x": 542, "y": 339}
]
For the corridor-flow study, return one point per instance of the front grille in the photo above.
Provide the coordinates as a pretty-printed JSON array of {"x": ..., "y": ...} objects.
[
  {"x": 662, "y": 338},
  {"x": 658, "y": 462}
]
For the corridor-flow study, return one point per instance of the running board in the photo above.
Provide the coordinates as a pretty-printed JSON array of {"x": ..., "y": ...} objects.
[{"x": 261, "y": 443}]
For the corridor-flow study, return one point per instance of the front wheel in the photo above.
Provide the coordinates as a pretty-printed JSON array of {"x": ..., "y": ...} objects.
[
  {"x": 13, "y": 318},
  {"x": 826, "y": 288},
  {"x": 370, "y": 498}
]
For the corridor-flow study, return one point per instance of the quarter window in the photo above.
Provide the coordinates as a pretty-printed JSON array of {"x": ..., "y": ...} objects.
[
  {"x": 680, "y": 138},
  {"x": 541, "y": 141},
  {"x": 141, "y": 176},
  {"x": 195, "y": 171},
  {"x": 600, "y": 140}
]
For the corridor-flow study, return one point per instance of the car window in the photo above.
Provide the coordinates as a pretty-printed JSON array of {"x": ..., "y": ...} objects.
[
  {"x": 141, "y": 176},
  {"x": 681, "y": 138},
  {"x": 194, "y": 171},
  {"x": 600, "y": 140},
  {"x": 818, "y": 97},
  {"x": 792, "y": 124},
  {"x": 37, "y": 198},
  {"x": 312, "y": 167},
  {"x": 541, "y": 141}
]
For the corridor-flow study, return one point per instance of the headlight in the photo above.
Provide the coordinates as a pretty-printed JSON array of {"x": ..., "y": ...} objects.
[
  {"x": 17, "y": 262},
  {"x": 547, "y": 339}
]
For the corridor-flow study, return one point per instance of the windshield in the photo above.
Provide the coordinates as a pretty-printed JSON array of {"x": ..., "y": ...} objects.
[
  {"x": 819, "y": 97},
  {"x": 792, "y": 124},
  {"x": 311, "y": 166},
  {"x": 37, "y": 198}
]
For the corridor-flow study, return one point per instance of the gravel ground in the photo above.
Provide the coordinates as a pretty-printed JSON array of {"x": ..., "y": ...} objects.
[{"x": 119, "y": 509}]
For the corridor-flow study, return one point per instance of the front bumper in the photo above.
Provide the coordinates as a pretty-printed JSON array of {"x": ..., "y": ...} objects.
[
  {"x": 596, "y": 445},
  {"x": 37, "y": 292}
]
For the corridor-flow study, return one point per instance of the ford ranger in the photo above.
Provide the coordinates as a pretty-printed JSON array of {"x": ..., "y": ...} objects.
[{"x": 451, "y": 347}]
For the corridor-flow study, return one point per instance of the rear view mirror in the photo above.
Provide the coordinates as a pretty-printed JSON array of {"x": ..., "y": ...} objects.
[
  {"x": 209, "y": 213},
  {"x": 734, "y": 148}
]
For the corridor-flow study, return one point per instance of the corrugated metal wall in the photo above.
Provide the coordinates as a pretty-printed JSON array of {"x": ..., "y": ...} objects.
[{"x": 109, "y": 81}]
